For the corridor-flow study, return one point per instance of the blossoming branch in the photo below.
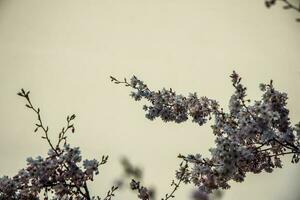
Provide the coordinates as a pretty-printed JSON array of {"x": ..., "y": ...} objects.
[
  {"x": 251, "y": 137},
  {"x": 58, "y": 176}
]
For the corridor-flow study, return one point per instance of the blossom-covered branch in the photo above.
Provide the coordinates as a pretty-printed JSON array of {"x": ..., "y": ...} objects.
[
  {"x": 249, "y": 138},
  {"x": 169, "y": 106},
  {"x": 59, "y": 175}
]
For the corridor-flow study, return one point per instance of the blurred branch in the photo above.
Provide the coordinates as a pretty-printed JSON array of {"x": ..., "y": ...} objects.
[{"x": 287, "y": 5}]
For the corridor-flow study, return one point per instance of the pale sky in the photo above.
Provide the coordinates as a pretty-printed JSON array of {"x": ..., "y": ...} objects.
[{"x": 65, "y": 51}]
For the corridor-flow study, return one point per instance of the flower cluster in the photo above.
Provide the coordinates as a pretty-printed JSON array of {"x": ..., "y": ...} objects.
[
  {"x": 199, "y": 195},
  {"x": 59, "y": 175},
  {"x": 249, "y": 138},
  {"x": 143, "y": 192},
  {"x": 132, "y": 177},
  {"x": 170, "y": 106}
]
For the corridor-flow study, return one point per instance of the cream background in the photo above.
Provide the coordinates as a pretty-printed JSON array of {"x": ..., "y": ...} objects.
[{"x": 64, "y": 52}]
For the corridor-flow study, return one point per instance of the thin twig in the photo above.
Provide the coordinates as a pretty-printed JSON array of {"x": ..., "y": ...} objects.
[{"x": 176, "y": 185}]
